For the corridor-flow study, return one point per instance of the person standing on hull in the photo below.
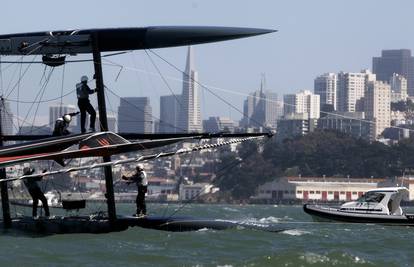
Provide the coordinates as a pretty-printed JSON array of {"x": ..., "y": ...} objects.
[
  {"x": 35, "y": 191},
  {"x": 140, "y": 178},
  {"x": 83, "y": 91}
]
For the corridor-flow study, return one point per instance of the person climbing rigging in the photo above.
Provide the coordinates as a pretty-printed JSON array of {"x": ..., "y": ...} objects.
[
  {"x": 62, "y": 124},
  {"x": 35, "y": 191},
  {"x": 140, "y": 178},
  {"x": 83, "y": 91}
]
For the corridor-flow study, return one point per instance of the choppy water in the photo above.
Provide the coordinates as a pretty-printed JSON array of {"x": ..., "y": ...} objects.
[{"x": 305, "y": 243}]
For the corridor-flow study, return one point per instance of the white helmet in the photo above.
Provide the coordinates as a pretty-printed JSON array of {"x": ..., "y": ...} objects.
[
  {"x": 67, "y": 118},
  {"x": 84, "y": 78},
  {"x": 140, "y": 167}
]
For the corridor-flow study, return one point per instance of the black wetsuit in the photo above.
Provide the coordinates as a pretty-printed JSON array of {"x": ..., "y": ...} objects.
[
  {"x": 83, "y": 91},
  {"x": 36, "y": 194}
]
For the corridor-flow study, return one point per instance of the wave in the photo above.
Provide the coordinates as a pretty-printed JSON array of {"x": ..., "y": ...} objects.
[{"x": 295, "y": 232}]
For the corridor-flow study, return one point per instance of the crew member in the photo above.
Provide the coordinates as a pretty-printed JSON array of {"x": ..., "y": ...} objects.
[
  {"x": 140, "y": 178},
  {"x": 62, "y": 124},
  {"x": 35, "y": 191},
  {"x": 83, "y": 91}
]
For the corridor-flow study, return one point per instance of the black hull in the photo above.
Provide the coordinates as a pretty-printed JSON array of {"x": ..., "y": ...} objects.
[
  {"x": 90, "y": 225},
  {"x": 324, "y": 214}
]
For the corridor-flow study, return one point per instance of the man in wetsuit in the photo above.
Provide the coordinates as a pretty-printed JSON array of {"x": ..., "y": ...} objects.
[
  {"x": 140, "y": 178},
  {"x": 83, "y": 91},
  {"x": 62, "y": 124},
  {"x": 35, "y": 191}
]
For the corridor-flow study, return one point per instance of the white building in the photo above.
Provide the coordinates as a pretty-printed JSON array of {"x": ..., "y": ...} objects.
[
  {"x": 300, "y": 103},
  {"x": 315, "y": 188},
  {"x": 192, "y": 191},
  {"x": 189, "y": 119},
  {"x": 351, "y": 90},
  {"x": 398, "y": 88},
  {"x": 378, "y": 107},
  {"x": 325, "y": 86}
]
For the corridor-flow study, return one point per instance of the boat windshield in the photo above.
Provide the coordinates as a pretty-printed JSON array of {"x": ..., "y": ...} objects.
[{"x": 371, "y": 197}]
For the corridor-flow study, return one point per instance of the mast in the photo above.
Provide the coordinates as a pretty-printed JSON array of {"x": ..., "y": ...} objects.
[
  {"x": 3, "y": 186},
  {"x": 104, "y": 126}
]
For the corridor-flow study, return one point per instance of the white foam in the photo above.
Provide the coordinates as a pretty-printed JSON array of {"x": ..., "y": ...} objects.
[{"x": 295, "y": 232}]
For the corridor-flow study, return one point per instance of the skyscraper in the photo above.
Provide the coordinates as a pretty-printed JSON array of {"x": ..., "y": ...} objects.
[
  {"x": 351, "y": 90},
  {"x": 135, "y": 115},
  {"x": 6, "y": 118},
  {"x": 378, "y": 107},
  {"x": 261, "y": 108},
  {"x": 304, "y": 102},
  {"x": 169, "y": 111},
  {"x": 395, "y": 61},
  {"x": 398, "y": 88},
  {"x": 325, "y": 87},
  {"x": 189, "y": 119}
]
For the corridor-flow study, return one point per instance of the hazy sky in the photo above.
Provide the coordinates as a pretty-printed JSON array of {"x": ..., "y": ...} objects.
[{"x": 313, "y": 37}]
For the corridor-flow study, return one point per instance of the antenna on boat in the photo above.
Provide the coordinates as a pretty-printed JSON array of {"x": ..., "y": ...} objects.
[
  {"x": 3, "y": 186},
  {"x": 97, "y": 62}
]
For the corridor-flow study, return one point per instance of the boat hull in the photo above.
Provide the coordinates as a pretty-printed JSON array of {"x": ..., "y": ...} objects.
[
  {"x": 320, "y": 213},
  {"x": 97, "y": 225}
]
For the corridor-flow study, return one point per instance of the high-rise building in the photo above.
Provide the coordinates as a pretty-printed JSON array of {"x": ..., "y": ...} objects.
[
  {"x": 398, "y": 88},
  {"x": 300, "y": 103},
  {"x": 135, "y": 115},
  {"x": 261, "y": 108},
  {"x": 58, "y": 110},
  {"x": 6, "y": 118},
  {"x": 189, "y": 119},
  {"x": 325, "y": 87},
  {"x": 169, "y": 111},
  {"x": 395, "y": 61},
  {"x": 378, "y": 107},
  {"x": 351, "y": 90}
]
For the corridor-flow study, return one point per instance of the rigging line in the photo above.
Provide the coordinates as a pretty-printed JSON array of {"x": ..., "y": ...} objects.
[
  {"x": 20, "y": 78},
  {"x": 31, "y": 106},
  {"x": 9, "y": 84},
  {"x": 210, "y": 91},
  {"x": 41, "y": 96},
  {"x": 229, "y": 166},
  {"x": 163, "y": 78},
  {"x": 261, "y": 98},
  {"x": 62, "y": 85},
  {"x": 1, "y": 78},
  {"x": 138, "y": 108},
  {"x": 11, "y": 116},
  {"x": 43, "y": 101},
  {"x": 66, "y": 61},
  {"x": 18, "y": 94}
]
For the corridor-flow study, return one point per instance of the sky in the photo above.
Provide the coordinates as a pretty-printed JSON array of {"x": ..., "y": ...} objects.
[{"x": 313, "y": 37}]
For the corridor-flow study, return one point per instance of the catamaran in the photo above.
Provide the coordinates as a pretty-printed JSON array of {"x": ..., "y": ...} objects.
[{"x": 53, "y": 46}]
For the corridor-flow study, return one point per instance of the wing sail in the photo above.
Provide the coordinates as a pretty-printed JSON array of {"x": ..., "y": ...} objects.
[
  {"x": 95, "y": 145},
  {"x": 136, "y": 159}
]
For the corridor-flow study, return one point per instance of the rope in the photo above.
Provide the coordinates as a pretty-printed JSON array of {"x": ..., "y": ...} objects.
[
  {"x": 229, "y": 166},
  {"x": 210, "y": 91},
  {"x": 138, "y": 108}
]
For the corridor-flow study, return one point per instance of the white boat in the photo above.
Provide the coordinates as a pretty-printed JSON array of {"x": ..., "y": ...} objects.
[{"x": 381, "y": 205}]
